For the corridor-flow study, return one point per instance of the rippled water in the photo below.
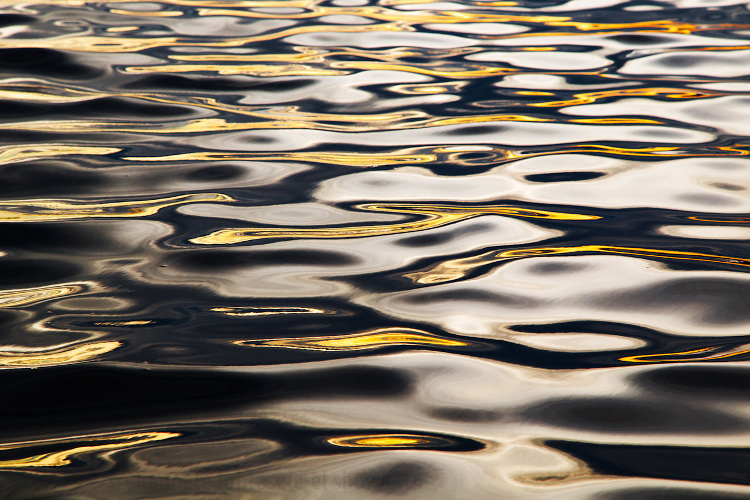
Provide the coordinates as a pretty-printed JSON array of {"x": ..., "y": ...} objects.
[{"x": 348, "y": 249}]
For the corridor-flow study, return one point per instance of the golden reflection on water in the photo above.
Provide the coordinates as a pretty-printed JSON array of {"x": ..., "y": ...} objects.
[
  {"x": 74, "y": 354},
  {"x": 691, "y": 356},
  {"x": 398, "y": 16},
  {"x": 434, "y": 216},
  {"x": 53, "y": 210},
  {"x": 455, "y": 269},
  {"x": 144, "y": 13},
  {"x": 330, "y": 158},
  {"x": 371, "y": 339},
  {"x": 131, "y": 323},
  {"x": 112, "y": 44},
  {"x": 29, "y": 296},
  {"x": 666, "y": 92},
  {"x": 288, "y": 66},
  {"x": 66, "y": 457},
  {"x": 15, "y": 154},
  {"x": 175, "y": 48},
  {"x": 389, "y": 441}
]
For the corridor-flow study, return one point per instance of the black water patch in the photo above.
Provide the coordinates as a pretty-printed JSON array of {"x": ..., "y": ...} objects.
[
  {"x": 212, "y": 260},
  {"x": 44, "y": 62},
  {"x": 671, "y": 493},
  {"x": 15, "y": 19},
  {"x": 466, "y": 415},
  {"x": 729, "y": 383},
  {"x": 217, "y": 84},
  {"x": 622, "y": 415},
  {"x": 105, "y": 107},
  {"x": 216, "y": 173},
  {"x": 95, "y": 396},
  {"x": 47, "y": 178},
  {"x": 32, "y": 272},
  {"x": 71, "y": 238},
  {"x": 639, "y": 39},
  {"x": 681, "y": 463},
  {"x": 564, "y": 176},
  {"x": 476, "y": 130}
]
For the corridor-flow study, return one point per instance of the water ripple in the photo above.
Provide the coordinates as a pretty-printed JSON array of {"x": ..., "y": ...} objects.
[{"x": 356, "y": 248}]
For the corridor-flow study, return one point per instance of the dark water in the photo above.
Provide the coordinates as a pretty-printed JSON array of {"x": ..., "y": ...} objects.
[{"x": 339, "y": 249}]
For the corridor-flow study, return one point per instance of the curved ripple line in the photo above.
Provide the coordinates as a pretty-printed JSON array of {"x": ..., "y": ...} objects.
[
  {"x": 54, "y": 210},
  {"x": 455, "y": 269},
  {"x": 371, "y": 339},
  {"x": 434, "y": 216},
  {"x": 74, "y": 354},
  {"x": 66, "y": 457}
]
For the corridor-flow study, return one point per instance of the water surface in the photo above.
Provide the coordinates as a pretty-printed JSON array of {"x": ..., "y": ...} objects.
[{"x": 350, "y": 248}]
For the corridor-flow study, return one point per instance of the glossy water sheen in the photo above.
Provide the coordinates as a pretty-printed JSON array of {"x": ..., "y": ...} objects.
[{"x": 342, "y": 249}]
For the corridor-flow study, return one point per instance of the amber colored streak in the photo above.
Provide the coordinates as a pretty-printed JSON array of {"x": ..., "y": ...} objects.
[
  {"x": 292, "y": 63},
  {"x": 433, "y": 216},
  {"x": 287, "y": 119},
  {"x": 693, "y": 49},
  {"x": 726, "y": 220},
  {"x": 82, "y": 352},
  {"x": 141, "y": 13},
  {"x": 131, "y": 323},
  {"x": 615, "y": 121},
  {"x": 384, "y": 14},
  {"x": 451, "y": 270},
  {"x": 590, "y": 97},
  {"x": 329, "y": 158},
  {"x": 456, "y": 269},
  {"x": 133, "y": 44},
  {"x": 15, "y": 154},
  {"x": 473, "y": 71},
  {"x": 318, "y": 55},
  {"x": 666, "y": 25},
  {"x": 50, "y": 210},
  {"x": 460, "y": 120},
  {"x": 239, "y": 69},
  {"x": 403, "y": 156},
  {"x": 683, "y": 357},
  {"x": 65, "y": 457},
  {"x": 660, "y": 151},
  {"x": 471, "y": 211},
  {"x": 389, "y": 441},
  {"x": 381, "y": 13},
  {"x": 33, "y": 94},
  {"x": 269, "y": 311},
  {"x": 28, "y": 296},
  {"x": 371, "y": 339},
  {"x": 429, "y": 88}
]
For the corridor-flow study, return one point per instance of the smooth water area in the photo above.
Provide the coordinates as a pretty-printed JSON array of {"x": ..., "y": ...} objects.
[{"x": 335, "y": 249}]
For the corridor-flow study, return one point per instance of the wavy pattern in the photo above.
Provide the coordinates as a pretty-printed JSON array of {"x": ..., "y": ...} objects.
[{"x": 367, "y": 248}]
